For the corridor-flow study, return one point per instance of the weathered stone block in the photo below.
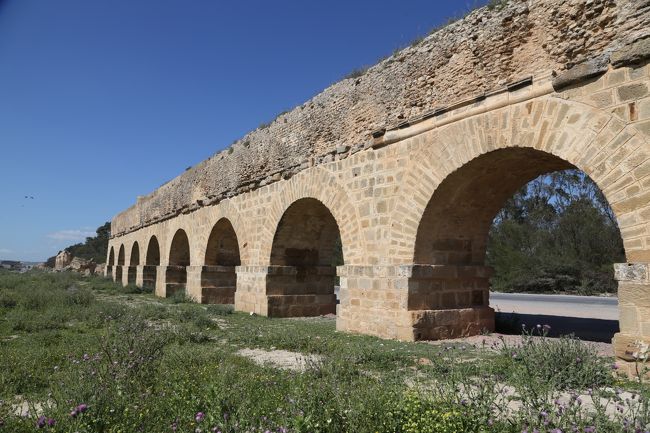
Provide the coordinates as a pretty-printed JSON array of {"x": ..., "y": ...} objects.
[
  {"x": 637, "y": 272},
  {"x": 631, "y": 92},
  {"x": 633, "y": 53}
]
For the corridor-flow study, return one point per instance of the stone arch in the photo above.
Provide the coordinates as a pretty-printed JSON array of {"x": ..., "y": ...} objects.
[
  {"x": 463, "y": 172},
  {"x": 303, "y": 260},
  {"x": 119, "y": 269},
  {"x": 557, "y": 134},
  {"x": 222, "y": 255},
  {"x": 111, "y": 257},
  {"x": 321, "y": 185},
  {"x": 134, "y": 262},
  {"x": 179, "y": 260},
  {"x": 152, "y": 261},
  {"x": 121, "y": 256},
  {"x": 110, "y": 262},
  {"x": 213, "y": 214}
]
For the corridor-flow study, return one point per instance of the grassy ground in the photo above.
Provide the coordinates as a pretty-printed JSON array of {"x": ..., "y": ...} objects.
[{"x": 85, "y": 355}]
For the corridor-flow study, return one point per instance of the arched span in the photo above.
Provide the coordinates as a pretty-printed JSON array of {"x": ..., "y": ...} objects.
[
  {"x": 179, "y": 250},
  {"x": 218, "y": 276},
  {"x": 152, "y": 261},
  {"x": 121, "y": 256},
  {"x": 153, "y": 252},
  {"x": 134, "y": 262},
  {"x": 223, "y": 247},
  {"x": 320, "y": 185},
  {"x": 306, "y": 250},
  {"x": 119, "y": 269},
  {"x": 110, "y": 266},
  {"x": 179, "y": 259},
  {"x": 570, "y": 134},
  {"x": 111, "y": 257}
]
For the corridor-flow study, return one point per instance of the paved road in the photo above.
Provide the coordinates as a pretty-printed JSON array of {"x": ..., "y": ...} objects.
[
  {"x": 588, "y": 317},
  {"x": 594, "y": 307}
]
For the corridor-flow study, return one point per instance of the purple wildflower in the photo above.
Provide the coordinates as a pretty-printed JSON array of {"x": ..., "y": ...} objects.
[
  {"x": 199, "y": 416},
  {"x": 40, "y": 423}
]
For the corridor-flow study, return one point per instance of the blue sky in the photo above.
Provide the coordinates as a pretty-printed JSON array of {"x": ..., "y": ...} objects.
[{"x": 104, "y": 100}]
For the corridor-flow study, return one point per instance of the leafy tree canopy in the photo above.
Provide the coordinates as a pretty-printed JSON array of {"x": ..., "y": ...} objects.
[
  {"x": 94, "y": 247},
  {"x": 556, "y": 234}
]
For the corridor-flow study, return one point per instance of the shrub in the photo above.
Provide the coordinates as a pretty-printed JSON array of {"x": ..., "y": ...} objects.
[
  {"x": 180, "y": 297},
  {"x": 220, "y": 310},
  {"x": 556, "y": 363},
  {"x": 420, "y": 414},
  {"x": 7, "y": 301}
]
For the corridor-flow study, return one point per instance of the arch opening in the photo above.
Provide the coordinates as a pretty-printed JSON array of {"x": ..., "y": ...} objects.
[
  {"x": 152, "y": 261},
  {"x": 218, "y": 275},
  {"x": 451, "y": 268},
  {"x": 120, "y": 264},
  {"x": 134, "y": 262},
  {"x": 179, "y": 259},
  {"x": 111, "y": 262},
  {"x": 306, "y": 250}
]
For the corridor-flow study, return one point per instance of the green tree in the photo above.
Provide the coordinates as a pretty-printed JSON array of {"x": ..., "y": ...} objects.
[
  {"x": 94, "y": 247},
  {"x": 556, "y": 234}
]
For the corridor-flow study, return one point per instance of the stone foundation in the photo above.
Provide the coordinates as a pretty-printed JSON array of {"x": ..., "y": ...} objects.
[
  {"x": 218, "y": 284},
  {"x": 415, "y": 302},
  {"x": 634, "y": 312},
  {"x": 149, "y": 276},
  {"x": 176, "y": 278},
  {"x": 286, "y": 291}
]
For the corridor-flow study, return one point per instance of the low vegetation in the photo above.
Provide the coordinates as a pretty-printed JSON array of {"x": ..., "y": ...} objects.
[{"x": 81, "y": 354}]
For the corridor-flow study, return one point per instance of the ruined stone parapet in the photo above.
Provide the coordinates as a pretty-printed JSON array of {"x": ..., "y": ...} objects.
[{"x": 488, "y": 50}]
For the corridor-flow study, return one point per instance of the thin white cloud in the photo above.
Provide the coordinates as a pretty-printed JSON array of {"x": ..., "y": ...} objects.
[
  {"x": 71, "y": 235},
  {"x": 5, "y": 251}
]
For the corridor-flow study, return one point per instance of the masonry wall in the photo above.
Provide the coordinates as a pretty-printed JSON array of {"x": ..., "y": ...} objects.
[
  {"x": 412, "y": 205},
  {"x": 481, "y": 53},
  {"x": 379, "y": 198}
]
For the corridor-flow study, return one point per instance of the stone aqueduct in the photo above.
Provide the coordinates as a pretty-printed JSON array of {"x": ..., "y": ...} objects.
[{"x": 411, "y": 206}]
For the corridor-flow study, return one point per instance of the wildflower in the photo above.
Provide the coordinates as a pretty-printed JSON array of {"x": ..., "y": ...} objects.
[
  {"x": 51, "y": 422},
  {"x": 590, "y": 429},
  {"x": 82, "y": 408},
  {"x": 40, "y": 423},
  {"x": 199, "y": 416},
  {"x": 548, "y": 328}
]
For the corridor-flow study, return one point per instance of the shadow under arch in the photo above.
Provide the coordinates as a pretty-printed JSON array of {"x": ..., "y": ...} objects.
[
  {"x": 134, "y": 262},
  {"x": 179, "y": 260},
  {"x": 305, "y": 252},
  {"x": 449, "y": 271},
  {"x": 120, "y": 264},
  {"x": 320, "y": 185},
  {"x": 218, "y": 276},
  {"x": 111, "y": 262},
  {"x": 152, "y": 261}
]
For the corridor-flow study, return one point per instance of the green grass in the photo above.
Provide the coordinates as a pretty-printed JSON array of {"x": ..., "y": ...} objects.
[{"x": 142, "y": 363}]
